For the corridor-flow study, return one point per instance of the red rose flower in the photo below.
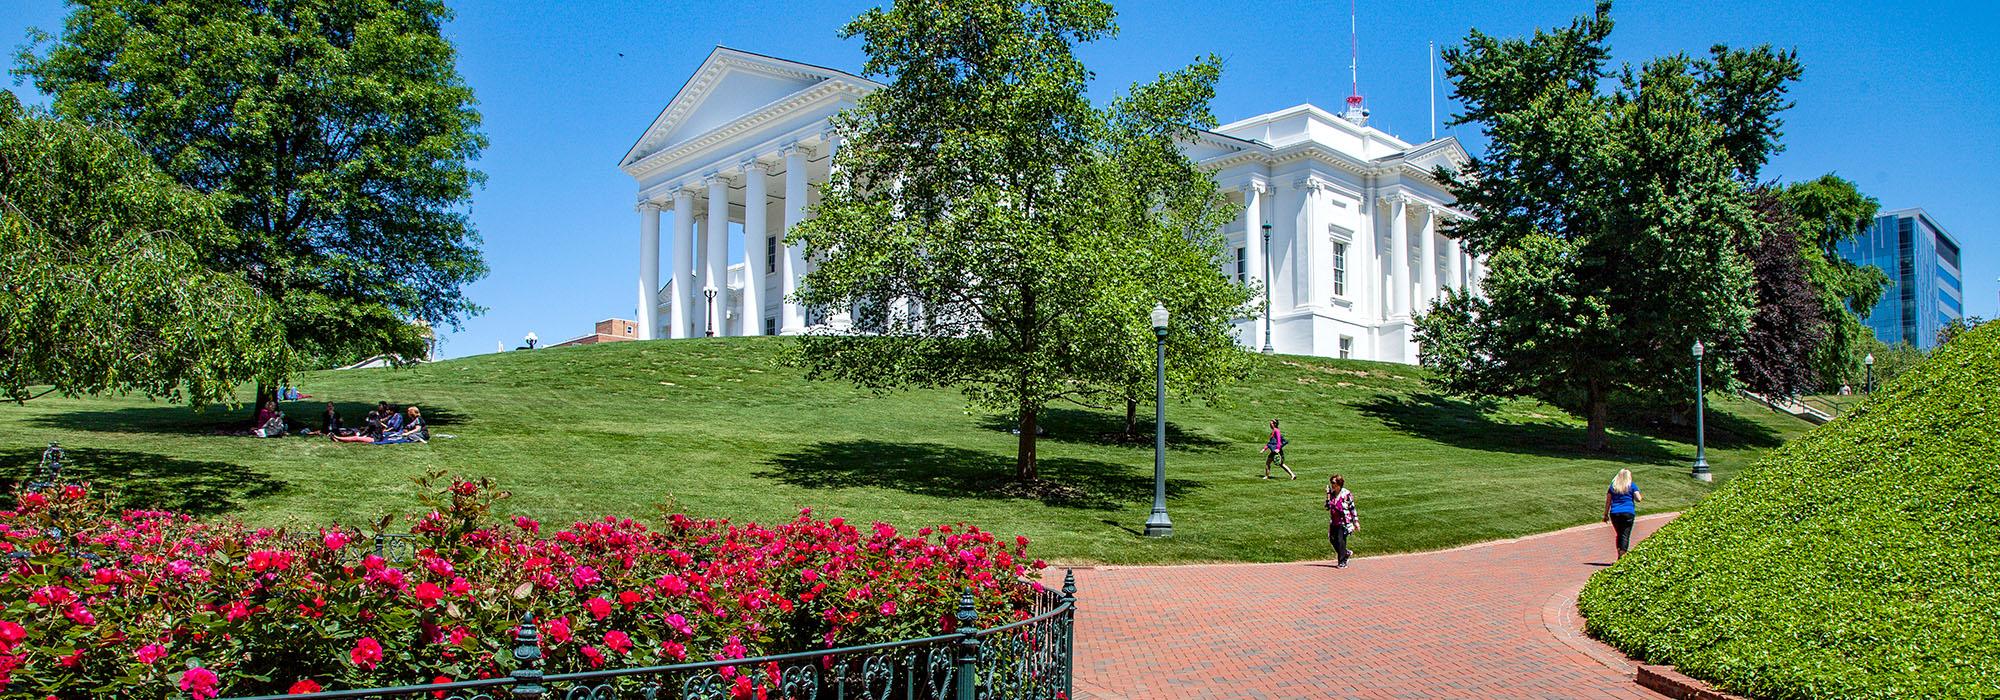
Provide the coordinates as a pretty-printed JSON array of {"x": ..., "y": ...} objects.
[
  {"x": 200, "y": 683},
  {"x": 367, "y": 653},
  {"x": 305, "y": 685}
]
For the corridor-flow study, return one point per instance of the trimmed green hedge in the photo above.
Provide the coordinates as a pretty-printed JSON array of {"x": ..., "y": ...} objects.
[{"x": 1861, "y": 561}]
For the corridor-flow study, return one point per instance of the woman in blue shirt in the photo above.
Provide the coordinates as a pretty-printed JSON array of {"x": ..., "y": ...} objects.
[{"x": 1621, "y": 506}]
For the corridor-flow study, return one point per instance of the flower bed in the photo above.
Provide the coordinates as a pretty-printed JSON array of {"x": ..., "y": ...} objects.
[{"x": 154, "y": 604}]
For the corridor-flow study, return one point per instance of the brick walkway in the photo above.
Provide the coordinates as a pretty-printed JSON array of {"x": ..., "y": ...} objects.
[{"x": 1463, "y": 623}]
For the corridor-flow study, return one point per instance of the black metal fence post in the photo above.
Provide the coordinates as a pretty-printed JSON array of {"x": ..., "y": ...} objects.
[
  {"x": 1068, "y": 623},
  {"x": 527, "y": 673},
  {"x": 968, "y": 650}
]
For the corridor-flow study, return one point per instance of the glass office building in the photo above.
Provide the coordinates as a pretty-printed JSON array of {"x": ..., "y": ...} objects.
[{"x": 1921, "y": 260}]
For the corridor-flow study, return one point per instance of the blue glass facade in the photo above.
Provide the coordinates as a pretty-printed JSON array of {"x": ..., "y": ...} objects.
[{"x": 1922, "y": 262}]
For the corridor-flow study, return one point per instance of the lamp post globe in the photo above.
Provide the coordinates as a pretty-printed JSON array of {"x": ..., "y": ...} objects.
[
  {"x": 1868, "y": 385},
  {"x": 1158, "y": 525},
  {"x": 1700, "y": 428},
  {"x": 531, "y": 340},
  {"x": 1268, "y": 349}
]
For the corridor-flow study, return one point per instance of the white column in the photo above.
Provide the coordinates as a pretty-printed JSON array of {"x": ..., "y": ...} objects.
[
  {"x": 1427, "y": 248},
  {"x": 791, "y": 264},
  {"x": 842, "y": 319},
  {"x": 649, "y": 270},
  {"x": 1455, "y": 250},
  {"x": 683, "y": 264},
  {"x": 1399, "y": 257},
  {"x": 754, "y": 230},
  {"x": 1253, "y": 253},
  {"x": 715, "y": 274}
]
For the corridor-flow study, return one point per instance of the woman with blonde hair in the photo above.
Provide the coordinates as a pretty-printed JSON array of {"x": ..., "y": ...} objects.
[{"x": 1621, "y": 507}]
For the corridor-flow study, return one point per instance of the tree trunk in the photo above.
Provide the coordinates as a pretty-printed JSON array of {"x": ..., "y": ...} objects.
[
  {"x": 1131, "y": 419},
  {"x": 1598, "y": 411},
  {"x": 1024, "y": 455}
]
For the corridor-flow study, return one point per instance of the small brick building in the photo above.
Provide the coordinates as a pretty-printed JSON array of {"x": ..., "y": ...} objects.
[{"x": 610, "y": 330}]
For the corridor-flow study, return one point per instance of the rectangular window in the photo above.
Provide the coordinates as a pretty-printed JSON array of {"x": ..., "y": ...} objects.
[
  {"x": 1242, "y": 266},
  {"x": 1340, "y": 270},
  {"x": 770, "y": 254},
  {"x": 770, "y": 326},
  {"x": 1346, "y": 347}
]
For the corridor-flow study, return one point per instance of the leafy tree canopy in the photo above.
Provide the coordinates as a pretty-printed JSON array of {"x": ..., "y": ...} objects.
[
  {"x": 111, "y": 283},
  {"x": 1615, "y": 218},
  {"x": 335, "y": 136},
  {"x": 1828, "y": 210},
  {"x": 1002, "y": 234}
]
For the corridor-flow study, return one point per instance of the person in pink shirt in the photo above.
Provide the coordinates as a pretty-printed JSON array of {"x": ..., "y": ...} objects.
[
  {"x": 1342, "y": 519},
  {"x": 1274, "y": 451}
]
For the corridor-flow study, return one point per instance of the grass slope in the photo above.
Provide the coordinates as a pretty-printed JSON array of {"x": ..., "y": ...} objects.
[
  {"x": 719, "y": 427},
  {"x": 1858, "y": 562}
]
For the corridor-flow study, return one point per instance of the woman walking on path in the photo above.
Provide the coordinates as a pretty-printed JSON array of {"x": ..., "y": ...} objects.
[
  {"x": 1621, "y": 506},
  {"x": 1274, "y": 450},
  {"x": 1342, "y": 520}
]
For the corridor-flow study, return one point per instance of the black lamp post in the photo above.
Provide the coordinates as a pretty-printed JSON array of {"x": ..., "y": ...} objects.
[
  {"x": 1700, "y": 429},
  {"x": 1158, "y": 525},
  {"x": 1267, "y": 289},
  {"x": 531, "y": 340},
  {"x": 1868, "y": 386},
  {"x": 710, "y": 316}
]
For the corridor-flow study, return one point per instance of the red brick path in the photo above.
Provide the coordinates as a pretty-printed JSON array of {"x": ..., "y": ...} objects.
[{"x": 1463, "y": 623}]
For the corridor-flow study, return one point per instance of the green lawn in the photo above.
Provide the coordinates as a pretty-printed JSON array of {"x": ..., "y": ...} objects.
[{"x": 720, "y": 428}]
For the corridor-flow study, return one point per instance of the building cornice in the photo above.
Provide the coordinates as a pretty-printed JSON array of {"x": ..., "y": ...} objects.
[{"x": 775, "y": 111}]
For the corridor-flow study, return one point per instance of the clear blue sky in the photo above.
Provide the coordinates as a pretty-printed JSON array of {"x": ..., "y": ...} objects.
[{"x": 1901, "y": 99}]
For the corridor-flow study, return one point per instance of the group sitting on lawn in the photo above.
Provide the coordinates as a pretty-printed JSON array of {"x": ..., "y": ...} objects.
[{"x": 383, "y": 426}]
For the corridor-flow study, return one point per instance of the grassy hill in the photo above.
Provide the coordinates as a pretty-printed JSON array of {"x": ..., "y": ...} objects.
[
  {"x": 720, "y": 427},
  {"x": 1858, "y": 562}
]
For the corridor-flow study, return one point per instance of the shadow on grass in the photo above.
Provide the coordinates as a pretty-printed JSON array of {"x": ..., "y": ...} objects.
[
  {"x": 1464, "y": 424},
  {"x": 951, "y": 472},
  {"x": 1725, "y": 430},
  {"x": 149, "y": 481},
  {"x": 1097, "y": 428},
  {"x": 182, "y": 420}
]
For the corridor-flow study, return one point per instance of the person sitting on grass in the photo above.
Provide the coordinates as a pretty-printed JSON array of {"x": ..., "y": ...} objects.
[
  {"x": 329, "y": 422},
  {"x": 376, "y": 418},
  {"x": 270, "y": 421}
]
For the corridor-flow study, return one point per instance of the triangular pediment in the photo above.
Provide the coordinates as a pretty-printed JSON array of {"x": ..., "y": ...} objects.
[
  {"x": 1444, "y": 153},
  {"x": 728, "y": 85}
]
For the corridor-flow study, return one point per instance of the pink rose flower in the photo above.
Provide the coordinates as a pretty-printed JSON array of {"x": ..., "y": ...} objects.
[
  {"x": 200, "y": 683},
  {"x": 367, "y": 653}
]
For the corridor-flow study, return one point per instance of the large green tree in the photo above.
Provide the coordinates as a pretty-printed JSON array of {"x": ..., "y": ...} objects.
[
  {"x": 1002, "y": 234},
  {"x": 336, "y": 136},
  {"x": 110, "y": 283},
  {"x": 1615, "y": 217}
]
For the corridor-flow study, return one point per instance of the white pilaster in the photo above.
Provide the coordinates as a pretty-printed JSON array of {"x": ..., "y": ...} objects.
[
  {"x": 1455, "y": 250},
  {"x": 715, "y": 274},
  {"x": 792, "y": 265},
  {"x": 1253, "y": 247},
  {"x": 1427, "y": 276},
  {"x": 1399, "y": 258},
  {"x": 754, "y": 231},
  {"x": 683, "y": 264},
  {"x": 649, "y": 270}
]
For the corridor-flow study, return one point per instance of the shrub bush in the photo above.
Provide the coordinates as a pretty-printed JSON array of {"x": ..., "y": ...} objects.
[
  {"x": 1857, "y": 562},
  {"x": 154, "y": 604}
]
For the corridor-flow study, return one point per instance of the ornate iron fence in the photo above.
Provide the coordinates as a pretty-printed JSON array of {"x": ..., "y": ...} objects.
[{"x": 1030, "y": 659}]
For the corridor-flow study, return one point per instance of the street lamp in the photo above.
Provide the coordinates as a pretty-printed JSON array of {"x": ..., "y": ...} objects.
[
  {"x": 710, "y": 316},
  {"x": 1700, "y": 429},
  {"x": 531, "y": 340},
  {"x": 1158, "y": 525},
  {"x": 1868, "y": 386},
  {"x": 1267, "y": 290}
]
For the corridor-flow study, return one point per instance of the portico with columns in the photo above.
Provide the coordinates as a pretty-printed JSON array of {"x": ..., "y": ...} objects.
[{"x": 1356, "y": 216}]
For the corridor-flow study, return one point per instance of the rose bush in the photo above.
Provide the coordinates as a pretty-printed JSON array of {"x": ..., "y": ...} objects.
[{"x": 97, "y": 603}]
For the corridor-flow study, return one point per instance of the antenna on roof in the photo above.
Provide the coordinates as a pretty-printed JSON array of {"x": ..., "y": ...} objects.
[
  {"x": 1355, "y": 113},
  {"x": 1433, "y": 61}
]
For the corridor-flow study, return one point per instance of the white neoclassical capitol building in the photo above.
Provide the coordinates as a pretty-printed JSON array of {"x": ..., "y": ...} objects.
[{"x": 1352, "y": 212}]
